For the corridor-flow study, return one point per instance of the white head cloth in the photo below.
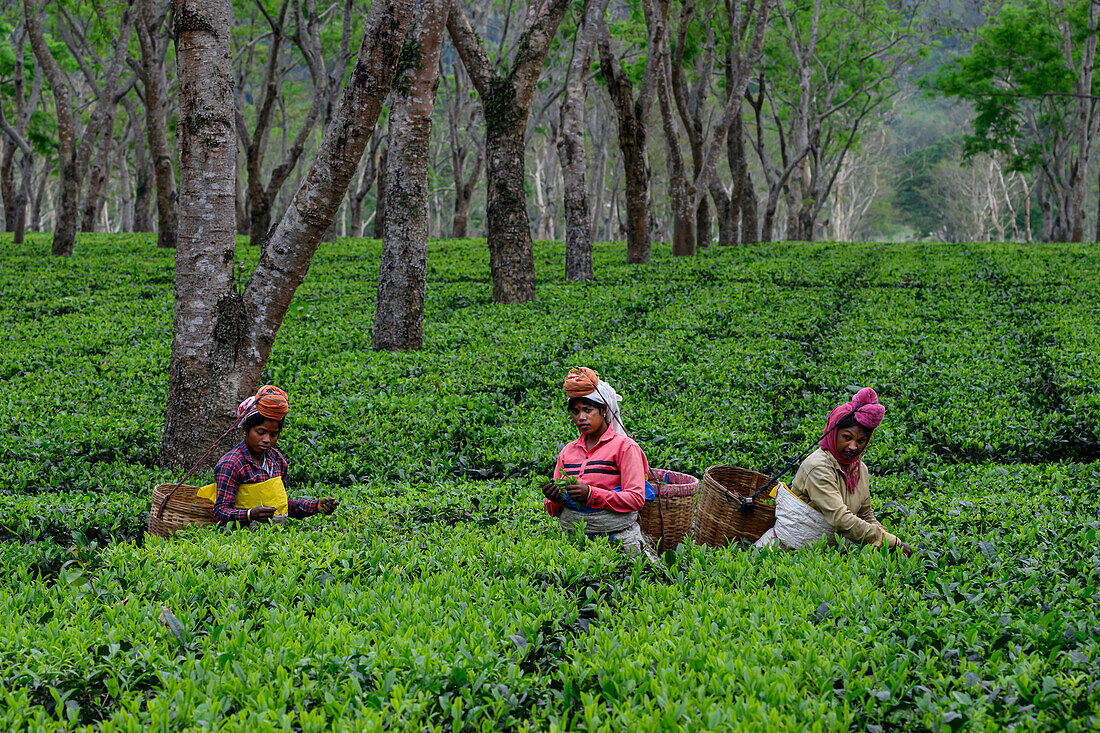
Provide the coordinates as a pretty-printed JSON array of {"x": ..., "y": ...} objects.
[{"x": 605, "y": 394}]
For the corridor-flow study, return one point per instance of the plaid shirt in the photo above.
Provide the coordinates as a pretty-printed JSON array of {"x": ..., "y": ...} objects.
[{"x": 239, "y": 467}]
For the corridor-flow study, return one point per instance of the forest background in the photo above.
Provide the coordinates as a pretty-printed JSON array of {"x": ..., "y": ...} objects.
[{"x": 943, "y": 120}]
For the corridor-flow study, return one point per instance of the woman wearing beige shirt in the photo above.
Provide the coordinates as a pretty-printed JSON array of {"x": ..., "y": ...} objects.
[{"x": 830, "y": 495}]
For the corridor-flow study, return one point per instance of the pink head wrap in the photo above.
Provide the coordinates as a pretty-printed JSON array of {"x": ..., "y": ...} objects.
[{"x": 868, "y": 413}]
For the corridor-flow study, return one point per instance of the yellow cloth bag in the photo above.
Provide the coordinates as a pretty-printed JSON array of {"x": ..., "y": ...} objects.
[{"x": 268, "y": 493}]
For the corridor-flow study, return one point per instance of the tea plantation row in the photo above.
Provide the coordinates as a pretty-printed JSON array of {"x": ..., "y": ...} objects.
[{"x": 440, "y": 597}]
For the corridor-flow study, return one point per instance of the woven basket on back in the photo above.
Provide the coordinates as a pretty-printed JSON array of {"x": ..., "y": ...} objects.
[
  {"x": 719, "y": 518},
  {"x": 667, "y": 518},
  {"x": 181, "y": 509}
]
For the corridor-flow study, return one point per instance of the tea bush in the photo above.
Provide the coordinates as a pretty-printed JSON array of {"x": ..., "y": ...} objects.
[{"x": 440, "y": 597}]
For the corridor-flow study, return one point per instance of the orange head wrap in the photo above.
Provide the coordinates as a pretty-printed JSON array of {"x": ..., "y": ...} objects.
[
  {"x": 580, "y": 381},
  {"x": 270, "y": 401}
]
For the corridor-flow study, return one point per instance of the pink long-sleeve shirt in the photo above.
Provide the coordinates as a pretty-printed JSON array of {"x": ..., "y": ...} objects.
[{"x": 615, "y": 469}]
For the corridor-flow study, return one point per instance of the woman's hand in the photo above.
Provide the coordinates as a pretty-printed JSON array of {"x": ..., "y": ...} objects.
[
  {"x": 261, "y": 513},
  {"x": 552, "y": 492},
  {"x": 903, "y": 548},
  {"x": 579, "y": 493},
  {"x": 327, "y": 505}
]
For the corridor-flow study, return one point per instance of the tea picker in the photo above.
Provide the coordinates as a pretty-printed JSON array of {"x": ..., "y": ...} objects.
[
  {"x": 249, "y": 484},
  {"x": 608, "y": 466},
  {"x": 829, "y": 497}
]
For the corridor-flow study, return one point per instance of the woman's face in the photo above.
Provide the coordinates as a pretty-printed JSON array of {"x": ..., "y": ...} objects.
[
  {"x": 588, "y": 419},
  {"x": 262, "y": 438},
  {"x": 850, "y": 442}
]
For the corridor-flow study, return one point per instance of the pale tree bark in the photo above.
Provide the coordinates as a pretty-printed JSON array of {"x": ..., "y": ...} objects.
[
  {"x": 358, "y": 194},
  {"x": 857, "y": 186},
  {"x": 97, "y": 175},
  {"x": 632, "y": 118},
  {"x": 691, "y": 102},
  {"x": 222, "y": 337},
  {"x": 144, "y": 175},
  {"x": 108, "y": 97},
  {"x": 736, "y": 206},
  {"x": 545, "y": 181},
  {"x": 462, "y": 119},
  {"x": 981, "y": 201},
  {"x": 35, "y": 224},
  {"x": 578, "y": 234},
  {"x": 743, "y": 213},
  {"x": 777, "y": 174},
  {"x": 600, "y": 134},
  {"x": 686, "y": 194},
  {"x": 835, "y": 89},
  {"x": 380, "y": 190},
  {"x": 261, "y": 195},
  {"x": 153, "y": 39},
  {"x": 73, "y": 164},
  {"x": 403, "y": 269},
  {"x": 125, "y": 212},
  {"x": 506, "y": 101},
  {"x": 15, "y": 139}
]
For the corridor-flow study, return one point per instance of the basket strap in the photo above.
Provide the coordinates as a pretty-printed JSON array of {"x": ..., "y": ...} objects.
[
  {"x": 164, "y": 502},
  {"x": 797, "y": 461}
]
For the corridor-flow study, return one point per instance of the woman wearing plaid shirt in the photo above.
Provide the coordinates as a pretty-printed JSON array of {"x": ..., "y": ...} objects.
[{"x": 249, "y": 480}]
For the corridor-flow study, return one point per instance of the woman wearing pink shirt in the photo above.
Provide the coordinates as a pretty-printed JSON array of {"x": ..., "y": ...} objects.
[{"x": 609, "y": 466}]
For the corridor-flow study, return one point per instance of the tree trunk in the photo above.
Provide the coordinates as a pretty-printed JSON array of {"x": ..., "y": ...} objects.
[
  {"x": 7, "y": 181},
  {"x": 240, "y": 207},
  {"x": 73, "y": 159},
  {"x": 40, "y": 193},
  {"x": 261, "y": 196},
  {"x": 65, "y": 232},
  {"x": 724, "y": 207},
  {"x": 511, "y": 249},
  {"x": 704, "y": 225},
  {"x": 259, "y": 218},
  {"x": 143, "y": 186},
  {"x": 630, "y": 118},
  {"x": 599, "y": 186},
  {"x": 636, "y": 171},
  {"x": 403, "y": 269},
  {"x": 153, "y": 40},
  {"x": 460, "y": 221},
  {"x": 578, "y": 235},
  {"x": 222, "y": 338},
  {"x": 461, "y": 116},
  {"x": 506, "y": 101},
  {"x": 743, "y": 217},
  {"x": 98, "y": 174},
  {"x": 14, "y": 139},
  {"x": 204, "y": 379},
  {"x": 126, "y": 198}
]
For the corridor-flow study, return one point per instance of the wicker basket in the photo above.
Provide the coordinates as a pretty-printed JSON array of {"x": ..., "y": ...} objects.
[
  {"x": 719, "y": 518},
  {"x": 183, "y": 508},
  {"x": 668, "y": 517}
]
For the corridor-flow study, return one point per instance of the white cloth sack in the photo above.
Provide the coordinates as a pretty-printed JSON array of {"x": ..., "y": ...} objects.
[{"x": 797, "y": 524}]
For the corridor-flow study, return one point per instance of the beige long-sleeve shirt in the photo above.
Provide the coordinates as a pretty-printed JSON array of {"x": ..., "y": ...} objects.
[{"x": 820, "y": 483}]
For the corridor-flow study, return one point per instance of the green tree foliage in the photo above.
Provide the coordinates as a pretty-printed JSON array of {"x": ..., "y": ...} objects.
[
  {"x": 1017, "y": 79},
  {"x": 1029, "y": 76}
]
